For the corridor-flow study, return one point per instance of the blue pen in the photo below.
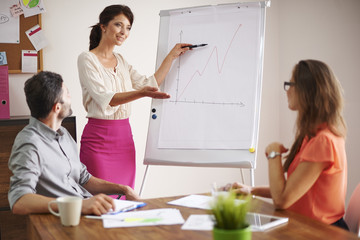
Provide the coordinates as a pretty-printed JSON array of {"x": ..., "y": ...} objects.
[{"x": 129, "y": 208}]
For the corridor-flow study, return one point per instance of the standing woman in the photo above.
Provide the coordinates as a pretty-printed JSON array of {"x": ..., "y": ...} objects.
[
  {"x": 316, "y": 165},
  {"x": 108, "y": 85}
]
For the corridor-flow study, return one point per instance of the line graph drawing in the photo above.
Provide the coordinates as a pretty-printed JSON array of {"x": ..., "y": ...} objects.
[
  {"x": 215, "y": 50},
  {"x": 200, "y": 71}
]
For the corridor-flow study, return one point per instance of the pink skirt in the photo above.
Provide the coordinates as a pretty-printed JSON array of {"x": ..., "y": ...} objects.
[{"x": 108, "y": 151}]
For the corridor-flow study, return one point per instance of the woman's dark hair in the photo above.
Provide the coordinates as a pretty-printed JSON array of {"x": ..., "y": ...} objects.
[
  {"x": 320, "y": 100},
  {"x": 108, "y": 14},
  {"x": 42, "y": 91}
]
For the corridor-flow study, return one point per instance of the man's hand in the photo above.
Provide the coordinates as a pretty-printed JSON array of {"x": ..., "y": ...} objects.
[{"x": 98, "y": 205}]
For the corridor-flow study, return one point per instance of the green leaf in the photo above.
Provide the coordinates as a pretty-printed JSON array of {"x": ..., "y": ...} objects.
[{"x": 230, "y": 212}]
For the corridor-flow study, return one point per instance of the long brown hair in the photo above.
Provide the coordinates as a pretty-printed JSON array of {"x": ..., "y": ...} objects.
[
  {"x": 108, "y": 14},
  {"x": 320, "y": 100}
]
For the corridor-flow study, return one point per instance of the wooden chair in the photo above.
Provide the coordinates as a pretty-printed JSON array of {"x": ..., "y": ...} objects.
[{"x": 352, "y": 215}]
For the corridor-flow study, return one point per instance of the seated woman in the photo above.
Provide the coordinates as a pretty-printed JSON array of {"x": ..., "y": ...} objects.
[{"x": 316, "y": 165}]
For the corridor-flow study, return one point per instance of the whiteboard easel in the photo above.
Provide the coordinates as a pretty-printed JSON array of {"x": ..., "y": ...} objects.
[{"x": 243, "y": 45}]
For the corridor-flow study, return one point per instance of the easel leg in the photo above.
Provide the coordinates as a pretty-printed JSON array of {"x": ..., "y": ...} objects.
[
  {"x": 252, "y": 177},
  {"x": 143, "y": 181},
  {"x": 242, "y": 176}
]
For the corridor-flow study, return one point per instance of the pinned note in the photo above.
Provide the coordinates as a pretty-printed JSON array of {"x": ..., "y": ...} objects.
[
  {"x": 3, "y": 60},
  {"x": 16, "y": 10},
  {"x": 32, "y": 7},
  {"x": 29, "y": 61},
  {"x": 37, "y": 37}
]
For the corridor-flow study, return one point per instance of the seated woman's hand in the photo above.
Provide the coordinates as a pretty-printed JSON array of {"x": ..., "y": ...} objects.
[{"x": 238, "y": 188}]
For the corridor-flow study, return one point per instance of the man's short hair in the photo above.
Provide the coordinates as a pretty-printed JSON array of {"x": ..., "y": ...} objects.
[{"x": 42, "y": 91}]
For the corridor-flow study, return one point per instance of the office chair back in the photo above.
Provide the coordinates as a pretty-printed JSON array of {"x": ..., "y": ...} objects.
[{"x": 352, "y": 215}]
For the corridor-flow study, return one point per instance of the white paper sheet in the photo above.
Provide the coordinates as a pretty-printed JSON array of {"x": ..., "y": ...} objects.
[
  {"x": 197, "y": 201},
  {"x": 37, "y": 37},
  {"x": 212, "y": 88},
  {"x": 32, "y": 7},
  {"x": 29, "y": 61},
  {"x": 9, "y": 25},
  {"x": 162, "y": 216},
  {"x": 202, "y": 222},
  {"x": 16, "y": 10},
  {"x": 193, "y": 201},
  {"x": 258, "y": 222}
]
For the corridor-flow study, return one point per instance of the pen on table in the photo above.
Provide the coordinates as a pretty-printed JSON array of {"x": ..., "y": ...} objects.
[
  {"x": 195, "y": 46},
  {"x": 128, "y": 208},
  {"x": 94, "y": 217},
  {"x": 125, "y": 209}
]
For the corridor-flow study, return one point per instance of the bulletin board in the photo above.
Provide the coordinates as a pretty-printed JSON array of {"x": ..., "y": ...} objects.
[{"x": 13, "y": 51}]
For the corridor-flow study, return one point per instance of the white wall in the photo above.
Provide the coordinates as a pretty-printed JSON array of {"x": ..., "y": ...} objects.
[
  {"x": 329, "y": 31},
  {"x": 324, "y": 29}
]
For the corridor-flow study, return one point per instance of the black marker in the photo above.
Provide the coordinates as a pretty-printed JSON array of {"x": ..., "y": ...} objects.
[{"x": 195, "y": 46}]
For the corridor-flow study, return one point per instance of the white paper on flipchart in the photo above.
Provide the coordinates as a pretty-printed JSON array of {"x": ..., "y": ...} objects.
[
  {"x": 161, "y": 216},
  {"x": 212, "y": 88},
  {"x": 9, "y": 25}
]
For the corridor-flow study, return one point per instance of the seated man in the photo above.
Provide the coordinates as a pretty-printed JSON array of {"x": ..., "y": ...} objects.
[{"x": 45, "y": 161}]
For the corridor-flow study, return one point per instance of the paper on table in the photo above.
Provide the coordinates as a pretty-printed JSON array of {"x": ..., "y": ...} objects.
[
  {"x": 197, "y": 201},
  {"x": 258, "y": 222},
  {"x": 162, "y": 216},
  {"x": 202, "y": 222},
  {"x": 193, "y": 201}
]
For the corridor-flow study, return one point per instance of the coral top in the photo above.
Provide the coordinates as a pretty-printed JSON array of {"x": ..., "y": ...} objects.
[{"x": 325, "y": 200}]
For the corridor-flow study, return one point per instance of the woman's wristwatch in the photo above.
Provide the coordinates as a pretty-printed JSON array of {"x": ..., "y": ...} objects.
[{"x": 273, "y": 154}]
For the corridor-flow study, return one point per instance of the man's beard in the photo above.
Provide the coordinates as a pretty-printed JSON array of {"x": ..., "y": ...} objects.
[{"x": 65, "y": 112}]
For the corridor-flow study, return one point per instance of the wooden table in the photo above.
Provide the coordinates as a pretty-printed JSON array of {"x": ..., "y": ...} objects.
[{"x": 47, "y": 226}]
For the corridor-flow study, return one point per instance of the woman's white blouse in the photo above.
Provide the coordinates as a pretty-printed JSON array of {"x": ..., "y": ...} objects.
[{"x": 99, "y": 85}]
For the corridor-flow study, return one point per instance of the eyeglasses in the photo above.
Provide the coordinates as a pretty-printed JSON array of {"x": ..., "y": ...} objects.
[{"x": 287, "y": 85}]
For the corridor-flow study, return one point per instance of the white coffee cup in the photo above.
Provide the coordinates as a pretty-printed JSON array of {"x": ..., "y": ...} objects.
[{"x": 69, "y": 210}]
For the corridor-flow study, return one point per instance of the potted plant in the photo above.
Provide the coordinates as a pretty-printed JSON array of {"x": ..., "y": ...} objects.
[{"x": 230, "y": 217}]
